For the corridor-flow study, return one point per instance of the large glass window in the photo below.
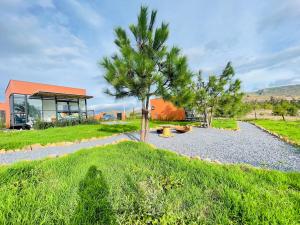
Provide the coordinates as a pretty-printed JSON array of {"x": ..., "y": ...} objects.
[
  {"x": 34, "y": 107},
  {"x": 82, "y": 105},
  {"x": 73, "y": 106},
  {"x": 49, "y": 110},
  {"x": 19, "y": 103},
  {"x": 19, "y": 109},
  {"x": 62, "y": 106}
]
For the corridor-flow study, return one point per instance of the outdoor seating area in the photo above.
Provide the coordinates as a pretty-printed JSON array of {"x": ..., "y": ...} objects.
[{"x": 166, "y": 130}]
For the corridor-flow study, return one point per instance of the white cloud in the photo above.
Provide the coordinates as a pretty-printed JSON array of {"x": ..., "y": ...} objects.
[{"x": 85, "y": 12}]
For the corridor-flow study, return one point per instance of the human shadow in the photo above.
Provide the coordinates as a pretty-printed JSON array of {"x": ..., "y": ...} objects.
[{"x": 94, "y": 205}]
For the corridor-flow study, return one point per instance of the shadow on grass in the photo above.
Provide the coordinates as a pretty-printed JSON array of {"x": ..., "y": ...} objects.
[
  {"x": 94, "y": 206},
  {"x": 117, "y": 128}
]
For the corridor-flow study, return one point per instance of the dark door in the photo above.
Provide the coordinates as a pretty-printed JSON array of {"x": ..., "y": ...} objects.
[{"x": 119, "y": 116}]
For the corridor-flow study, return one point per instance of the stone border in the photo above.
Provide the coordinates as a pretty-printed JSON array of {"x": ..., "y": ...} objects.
[{"x": 282, "y": 138}]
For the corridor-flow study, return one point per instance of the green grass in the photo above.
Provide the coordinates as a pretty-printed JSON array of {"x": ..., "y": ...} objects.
[
  {"x": 230, "y": 124},
  {"x": 21, "y": 139},
  {"x": 287, "y": 129},
  {"x": 132, "y": 183}
]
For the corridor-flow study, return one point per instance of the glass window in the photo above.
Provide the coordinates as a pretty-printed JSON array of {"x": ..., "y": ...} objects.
[
  {"x": 34, "y": 107},
  {"x": 49, "y": 110},
  {"x": 62, "y": 106},
  {"x": 82, "y": 105},
  {"x": 73, "y": 106},
  {"x": 19, "y": 103},
  {"x": 83, "y": 115},
  {"x": 2, "y": 119},
  {"x": 19, "y": 118}
]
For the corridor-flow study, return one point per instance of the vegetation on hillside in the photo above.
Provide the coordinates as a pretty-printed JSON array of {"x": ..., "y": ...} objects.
[
  {"x": 132, "y": 183},
  {"x": 288, "y": 90}
]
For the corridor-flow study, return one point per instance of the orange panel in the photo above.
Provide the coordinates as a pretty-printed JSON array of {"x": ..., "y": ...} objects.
[{"x": 163, "y": 110}]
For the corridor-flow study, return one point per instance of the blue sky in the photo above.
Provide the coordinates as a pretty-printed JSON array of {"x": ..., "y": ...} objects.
[{"x": 61, "y": 41}]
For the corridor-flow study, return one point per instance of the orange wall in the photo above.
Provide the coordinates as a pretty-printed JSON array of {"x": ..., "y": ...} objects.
[
  {"x": 163, "y": 110},
  {"x": 2, "y": 106},
  {"x": 28, "y": 88}
]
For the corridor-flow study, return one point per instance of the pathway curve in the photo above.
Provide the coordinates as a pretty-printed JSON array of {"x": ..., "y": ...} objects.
[{"x": 249, "y": 145}]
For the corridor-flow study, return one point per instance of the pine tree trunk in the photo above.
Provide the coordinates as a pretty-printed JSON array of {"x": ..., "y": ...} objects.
[
  {"x": 143, "y": 122},
  {"x": 206, "y": 117},
  {"x": 283, "y": 117},
  {"x": 146, "y": 111},
  {"x": 211, "y": 117}
]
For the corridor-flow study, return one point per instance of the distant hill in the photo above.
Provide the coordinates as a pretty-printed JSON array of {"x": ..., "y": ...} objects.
[{"x": 284, "y": 92}]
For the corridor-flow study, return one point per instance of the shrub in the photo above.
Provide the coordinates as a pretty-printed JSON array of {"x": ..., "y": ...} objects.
[{"x": 41, "y": 125}]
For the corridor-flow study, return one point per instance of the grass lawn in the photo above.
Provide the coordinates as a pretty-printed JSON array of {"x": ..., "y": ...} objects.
[
  {"x": 132, "y": 183},
  {"x": 21, "y": 139},
  {"x": 287, "y": 129},
  {"x": 230, "y": 124}
]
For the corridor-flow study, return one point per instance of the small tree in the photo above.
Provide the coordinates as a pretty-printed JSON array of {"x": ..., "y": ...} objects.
[
  {"x": 145, "y": 67},
  {"x": 208, "y": 94},
  {"x": 283, "y": 108}
]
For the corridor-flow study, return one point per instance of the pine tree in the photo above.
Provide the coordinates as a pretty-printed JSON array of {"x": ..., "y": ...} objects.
[{"x": 144, "y": 66}]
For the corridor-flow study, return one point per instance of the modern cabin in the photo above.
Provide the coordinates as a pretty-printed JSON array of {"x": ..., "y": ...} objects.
[{"x": 27, "y": 102}]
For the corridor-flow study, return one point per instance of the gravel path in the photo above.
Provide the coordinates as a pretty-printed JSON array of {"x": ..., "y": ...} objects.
[
  {"x": 53, "y": 151},
  {"x": 248, "y": 145}
]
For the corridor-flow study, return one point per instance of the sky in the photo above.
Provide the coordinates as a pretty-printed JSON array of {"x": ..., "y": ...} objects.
[{"x": 62, "y": 41}]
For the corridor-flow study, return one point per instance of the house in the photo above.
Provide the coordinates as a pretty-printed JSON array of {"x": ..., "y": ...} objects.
[
  {"x": 26, "y": 102},
  {"x": 164, "y": 110}
]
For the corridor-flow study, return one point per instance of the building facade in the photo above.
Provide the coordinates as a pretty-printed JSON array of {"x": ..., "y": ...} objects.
[
  {"x": 26, "y": 102},
  {"x": 163, "y": 110}
]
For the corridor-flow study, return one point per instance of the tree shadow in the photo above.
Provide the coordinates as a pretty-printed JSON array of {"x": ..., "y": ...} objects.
[
  {"x": 132, "y": 136},
  {"x": 94, "y": 206}
]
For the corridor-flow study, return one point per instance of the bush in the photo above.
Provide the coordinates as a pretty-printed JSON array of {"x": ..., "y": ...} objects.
[
  {"x": 41, "y": 125},
  {"x": 284, "y": 108}
]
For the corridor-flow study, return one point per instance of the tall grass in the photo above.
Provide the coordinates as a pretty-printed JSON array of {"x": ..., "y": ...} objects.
[{"x": 132, "y": 183}]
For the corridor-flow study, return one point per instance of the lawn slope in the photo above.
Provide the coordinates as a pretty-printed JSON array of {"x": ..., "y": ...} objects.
[
  {"x": 21, "y": 139},
  {"x": 132, "y": 183},
  {"x": 287, "y": 129}
]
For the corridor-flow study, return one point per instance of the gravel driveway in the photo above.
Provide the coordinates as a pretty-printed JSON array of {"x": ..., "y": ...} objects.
[{"x": 248, "y": 145}]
